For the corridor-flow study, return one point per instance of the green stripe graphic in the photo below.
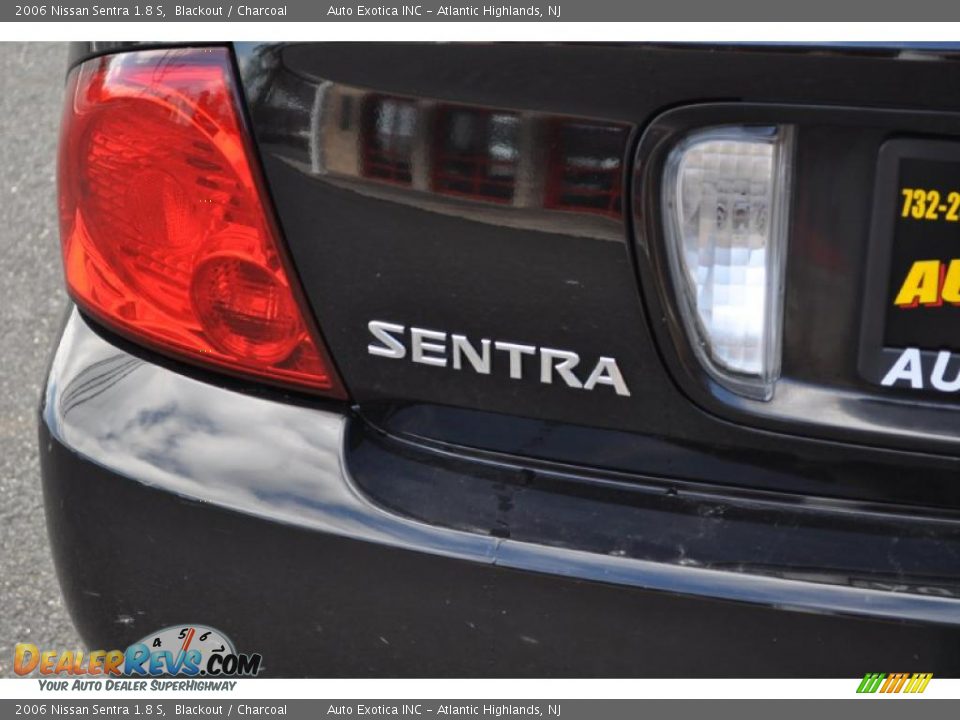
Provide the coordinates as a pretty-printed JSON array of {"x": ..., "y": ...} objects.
[{"x": 871, "y": 682}]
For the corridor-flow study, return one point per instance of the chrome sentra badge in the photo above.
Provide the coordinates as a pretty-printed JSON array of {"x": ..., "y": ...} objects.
[{"x": 484, "y": 356}]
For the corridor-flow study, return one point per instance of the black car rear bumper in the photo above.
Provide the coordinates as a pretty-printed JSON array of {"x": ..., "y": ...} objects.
[{"x": 174, "y": 500}]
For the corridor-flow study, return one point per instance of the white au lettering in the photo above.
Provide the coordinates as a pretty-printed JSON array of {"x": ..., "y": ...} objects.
[
  {"x": 908, "y": 368},
  {"x": 937, "y": 378}
]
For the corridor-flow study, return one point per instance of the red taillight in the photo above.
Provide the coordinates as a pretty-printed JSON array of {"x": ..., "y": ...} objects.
[{"x": 167, "y": 236}]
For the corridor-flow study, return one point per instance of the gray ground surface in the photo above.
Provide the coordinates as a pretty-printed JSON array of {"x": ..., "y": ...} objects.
[{"x": 31, "y": 305}]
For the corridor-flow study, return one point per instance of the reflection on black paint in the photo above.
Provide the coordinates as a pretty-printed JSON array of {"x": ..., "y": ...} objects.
[
  {"x": 585, "y": 171},
  {"x": 388, "y": 132},
  {"x": 476, "y": 153},
  {"x": 495, "y": 157}
]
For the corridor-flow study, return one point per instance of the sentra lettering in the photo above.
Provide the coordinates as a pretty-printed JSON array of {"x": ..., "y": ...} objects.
[
  {"x": 485, "y": 356},
  {"x": 930, "y": 283}
]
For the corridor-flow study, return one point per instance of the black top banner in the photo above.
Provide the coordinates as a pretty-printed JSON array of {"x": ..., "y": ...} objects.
[{"x": 731, "y": 11}]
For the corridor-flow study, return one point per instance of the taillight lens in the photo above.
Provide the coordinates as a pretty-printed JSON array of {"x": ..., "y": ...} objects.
[
  {"x": 167, "y": 235},
  {"x": 725, "y": 200}
]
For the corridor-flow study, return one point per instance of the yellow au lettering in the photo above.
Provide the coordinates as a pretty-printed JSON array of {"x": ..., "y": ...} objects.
[
  {"x": 950, "y": 290},
  {"x": 923, "y": 283}
]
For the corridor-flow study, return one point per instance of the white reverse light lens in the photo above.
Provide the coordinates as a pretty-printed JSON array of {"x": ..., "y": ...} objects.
[{"x": 725, "y": 200}]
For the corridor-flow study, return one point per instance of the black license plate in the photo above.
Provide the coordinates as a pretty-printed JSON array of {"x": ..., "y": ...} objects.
[
  {"x": 923, "y": 292},
  {"x": 912, "y": 304}
]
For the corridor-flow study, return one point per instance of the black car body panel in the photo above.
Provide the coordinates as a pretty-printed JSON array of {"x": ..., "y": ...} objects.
[
  {"x": 447, "y": 522},
  {"x": 167, "y": 500},
  {"x": 415, "y": 250}
]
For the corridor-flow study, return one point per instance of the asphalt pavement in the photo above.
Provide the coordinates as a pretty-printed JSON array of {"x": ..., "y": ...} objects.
[{"x": 32, "y": 303}]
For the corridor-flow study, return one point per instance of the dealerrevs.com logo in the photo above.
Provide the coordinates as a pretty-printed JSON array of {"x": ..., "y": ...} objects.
[{"x": 178, "y": 651}]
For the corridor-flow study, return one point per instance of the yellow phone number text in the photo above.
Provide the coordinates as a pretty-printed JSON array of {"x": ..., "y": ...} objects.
[{"x": 922, "y": 204}]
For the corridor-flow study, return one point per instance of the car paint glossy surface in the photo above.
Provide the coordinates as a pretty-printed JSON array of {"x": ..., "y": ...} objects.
[
  {"x": 455, "y": 523},
  {"x": 406, "y": 251},
  {"x": 168, "y": 497}
]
